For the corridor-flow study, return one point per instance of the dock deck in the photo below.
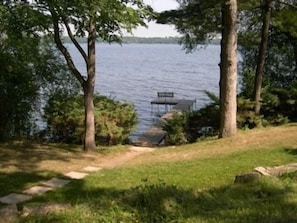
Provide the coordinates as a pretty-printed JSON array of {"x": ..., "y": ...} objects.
[{"x": 155, "y": 135}]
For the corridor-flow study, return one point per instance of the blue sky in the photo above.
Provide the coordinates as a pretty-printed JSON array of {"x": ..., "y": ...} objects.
[{"x": 156, "y": 30}]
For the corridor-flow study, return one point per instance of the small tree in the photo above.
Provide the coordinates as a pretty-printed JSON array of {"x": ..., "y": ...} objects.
[
  {"x": 104, "y": 19},
  {"x": 64, "y": 114}
]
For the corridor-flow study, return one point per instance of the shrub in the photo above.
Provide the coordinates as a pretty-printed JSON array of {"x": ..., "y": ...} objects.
[
  {"x": 64, "y": 114},
  {"x": 188, "y": 127},
  {"x": 114, "y": 120},
  {"x": 280, "y": 105},
  {"x": 246, "y": 116},
  {"x": 176, "y": 129}
]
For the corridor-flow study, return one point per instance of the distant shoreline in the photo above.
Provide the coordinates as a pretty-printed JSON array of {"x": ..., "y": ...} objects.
[{"x": 143, "y": 40}]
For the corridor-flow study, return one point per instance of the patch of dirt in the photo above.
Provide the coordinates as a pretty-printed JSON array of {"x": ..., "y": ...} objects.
[
  {"x": 44, "y": 209},
  {"x": 132, "y": 153},
  {"x": 61, "y": 160},
  {"x": 257, "y": 139}
]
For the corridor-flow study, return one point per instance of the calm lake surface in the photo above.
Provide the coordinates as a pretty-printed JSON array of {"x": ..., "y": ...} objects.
[{"x": 136, "y": 72}]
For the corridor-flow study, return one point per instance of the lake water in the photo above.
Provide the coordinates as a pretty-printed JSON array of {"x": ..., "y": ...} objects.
[{"x": 136, "y": 72}]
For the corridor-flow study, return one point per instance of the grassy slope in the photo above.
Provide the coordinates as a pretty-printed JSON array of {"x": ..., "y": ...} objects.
[{"x": 192, "y": 183}]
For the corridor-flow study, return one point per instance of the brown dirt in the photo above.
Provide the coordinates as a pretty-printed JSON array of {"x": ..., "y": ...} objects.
[
  {"x": 60, "y": 159},
  {"x": 262, "y": 138}
]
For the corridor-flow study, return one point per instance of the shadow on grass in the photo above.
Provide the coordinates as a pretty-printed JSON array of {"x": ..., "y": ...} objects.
[
  {"x": 18, "y": 181},
  {"x": 291, "y": 151},
  {"x": 20, "y": 164},
  {"x": 26, "y": 156},
  {"x": 265, "y": 201}
]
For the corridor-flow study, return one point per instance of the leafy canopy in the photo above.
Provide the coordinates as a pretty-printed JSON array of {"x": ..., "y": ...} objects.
[{"x": 111, "y": 17}]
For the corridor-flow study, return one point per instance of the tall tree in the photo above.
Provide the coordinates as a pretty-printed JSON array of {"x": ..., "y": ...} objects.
[
  {"x": 267, "y": 7},
  {"x": 280, "y": 63},
  {"x": 228, "y": 68},
  {"x": 104, "y": 19},
  {"x": 200, "y": 21}
]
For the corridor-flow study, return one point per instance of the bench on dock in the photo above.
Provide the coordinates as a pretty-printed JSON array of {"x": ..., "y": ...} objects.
[{"x": 165, "y": 94}]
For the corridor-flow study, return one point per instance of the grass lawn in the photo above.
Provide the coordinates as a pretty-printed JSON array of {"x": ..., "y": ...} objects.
[{"x": 192, "y": 183}]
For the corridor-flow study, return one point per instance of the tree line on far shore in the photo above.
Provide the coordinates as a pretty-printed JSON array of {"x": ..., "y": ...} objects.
[{"x": 145, "y": 40}]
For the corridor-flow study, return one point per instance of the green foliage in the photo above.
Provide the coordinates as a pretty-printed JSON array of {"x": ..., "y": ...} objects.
[
  {"x": 280, "y": 105},
  {"x": 65, "y": 118},
  {"x": 188, "y": 127},
  {"x": 30, "y": 67},
  {"x": 246, "y": 116},
  {"x": 114, "y": 120},
  {"x": 110, "y": 17},
  {"x": 63, "y": 113},
  {"x": 197, "y": 21},
  {"x": 280, "y": 64},
  {"x": 286, "y": 19},
  {"x": 176, "y": 129},
  {"x": 279, "y": 76}
]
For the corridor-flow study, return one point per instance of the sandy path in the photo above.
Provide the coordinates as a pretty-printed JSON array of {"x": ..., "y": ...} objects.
[{"x": 117, "y": 161}]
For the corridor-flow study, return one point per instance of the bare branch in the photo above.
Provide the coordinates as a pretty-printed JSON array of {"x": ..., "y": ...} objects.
[
  {"x": 63, "y": 49},
  {"x": 70, "y": 34},
  {"x": 287, "y": 4}
]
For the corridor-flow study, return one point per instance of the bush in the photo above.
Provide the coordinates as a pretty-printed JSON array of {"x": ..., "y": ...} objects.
[
  {"x": 246, "y": 116},
  {"x": 114, "y": 120},
  {"x": 176, "y": 129},
  {"x": 280, "y": 105},
  {"x": 188, "y": 127},
  {"x": 64, "y": 114}
]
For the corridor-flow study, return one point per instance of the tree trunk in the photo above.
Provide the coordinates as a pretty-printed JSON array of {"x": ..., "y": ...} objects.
[
  {"x": 228, "y": 70},
  {"x": 88, "y": 85},
  {"x": 261, "y": 56},
  {"x": 89, "y": 141},
  {"x": 295, "y": 53}
]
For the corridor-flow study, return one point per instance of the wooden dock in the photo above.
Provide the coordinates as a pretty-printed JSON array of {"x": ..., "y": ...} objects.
[{"x": 155, "y": 136}]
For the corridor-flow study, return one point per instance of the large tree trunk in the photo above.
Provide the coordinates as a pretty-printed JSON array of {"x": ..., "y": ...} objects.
[
  {"x": 89, "y": 141},
  {"x": 261, "y": 57},
  {"x": 228, "y": 70},
  {"x": 88, "y": 85}
]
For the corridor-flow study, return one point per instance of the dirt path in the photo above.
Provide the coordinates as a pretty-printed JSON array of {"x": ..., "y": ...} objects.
[
  {"x": 35, "y": 158},
  {"x": 119, "y": 160}
]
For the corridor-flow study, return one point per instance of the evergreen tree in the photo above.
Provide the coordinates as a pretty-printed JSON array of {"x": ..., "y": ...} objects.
[{"x": 201, "y": 20}]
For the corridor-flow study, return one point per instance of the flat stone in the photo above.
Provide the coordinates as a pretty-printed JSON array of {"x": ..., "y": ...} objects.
[
  {"x": 55, "y": 182},
  {"x": 76, "y": 175},
  {"x": 262, "y": 171},
  {"x": 92, "y": 169},
  {"x": 14, "y": 198},
  {"x": 37, "y": 190}
]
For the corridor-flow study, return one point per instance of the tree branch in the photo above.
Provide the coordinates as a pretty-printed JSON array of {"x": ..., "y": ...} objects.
[
  {"x": 287, "y": 4},
  {"x": 63, "y": 49},
  {"x": 76, "y": 44}
]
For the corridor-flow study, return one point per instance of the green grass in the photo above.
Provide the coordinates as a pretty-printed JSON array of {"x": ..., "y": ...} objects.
[
  {"x": 193, "y": 183},
  {"x": 191, "y": 191}
]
